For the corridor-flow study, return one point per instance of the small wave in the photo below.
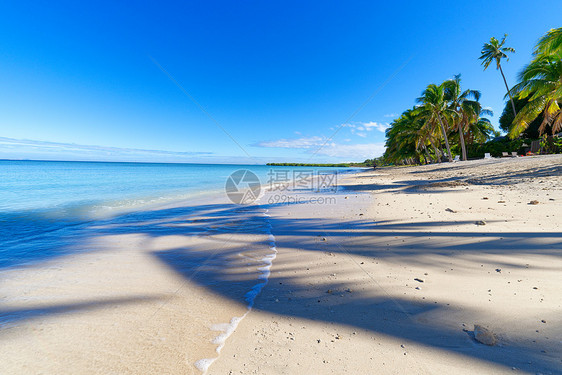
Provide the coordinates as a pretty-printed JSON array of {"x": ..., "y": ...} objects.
[{"x": 228, "y": 329}]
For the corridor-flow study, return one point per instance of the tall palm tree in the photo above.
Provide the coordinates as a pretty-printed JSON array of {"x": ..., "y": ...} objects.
[
  {"x": 496, "y": 51},
  {"x": 550, "y": 43},
  {"x": 465, "y": 104},
  {"x": 435, "y": 111},
  {"x": 541, "y": 82}
]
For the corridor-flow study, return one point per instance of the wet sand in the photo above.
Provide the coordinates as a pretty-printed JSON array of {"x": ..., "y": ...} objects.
[
  {"x": 387, "y": 276},
  {"x": 393, "y": 278}
]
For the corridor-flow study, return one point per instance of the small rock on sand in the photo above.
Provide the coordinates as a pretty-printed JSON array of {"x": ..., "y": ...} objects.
[
  {"x": 534, "y": 202},
  {"x": 480, "y": 222},
  {"x": 484, "y": 335}
]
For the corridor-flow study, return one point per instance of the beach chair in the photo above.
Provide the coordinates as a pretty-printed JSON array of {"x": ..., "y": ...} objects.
[
  {"x": 505, "y": 155},
  {"x": 535, "y": 146},
  {"x": 513, "y": 154},
  {"x": 487, "y": 155}
]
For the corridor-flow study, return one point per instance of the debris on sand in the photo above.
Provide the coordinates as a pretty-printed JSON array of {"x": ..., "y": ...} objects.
[
  {"x": 534, "y": 202},
  {"x": 450, "y": 210},
  {"x": 480, "y": 222},
  {"x": 418, "y": 280},
  {"x": 484, "y": 336}
]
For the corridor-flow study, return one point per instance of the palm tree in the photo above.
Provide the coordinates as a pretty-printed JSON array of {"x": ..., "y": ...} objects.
[
  {"x": 550, "y": 43},
  {"x": 402, "y": 144},
  {"x": 482, "y": 129},
  {"x": 435, "y": 111},
  {"x": 541, "y": 82},
  {"x": 465, "y": 104},
  {"x": 496, "y": 51}
]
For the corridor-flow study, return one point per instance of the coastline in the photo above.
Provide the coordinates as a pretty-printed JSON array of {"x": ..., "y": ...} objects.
[
  {"x": 157, "y": 291},
  {"x": 144, "y": 294},
  {"x": 394, "y": 277}
]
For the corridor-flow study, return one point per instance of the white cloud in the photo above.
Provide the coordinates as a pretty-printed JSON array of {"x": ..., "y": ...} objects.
[
  {"x": 353, "y": 152},
  {"x": 391, "y": 115},
  {"x": 366, "y": 126},
  {"x": 322, "y": 146},
  {"x": 30, "y": 149},
  {"x": 361, "y": 134},
  {"x": 375, "y": 125},
  {"x": 304, "y": 142}
]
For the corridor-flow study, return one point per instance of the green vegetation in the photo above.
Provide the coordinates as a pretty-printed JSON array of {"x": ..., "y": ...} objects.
[
  {"x": 541, "y": 83},
  {"x": 366, "y": 163},
  {"x": 453, "y": 118},
  {"x": 496, "y": 51}
]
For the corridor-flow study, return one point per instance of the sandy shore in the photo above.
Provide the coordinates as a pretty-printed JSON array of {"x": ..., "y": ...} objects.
[
  {"x": 393, "y": 278},
  {"x": 388, "y": 276}
]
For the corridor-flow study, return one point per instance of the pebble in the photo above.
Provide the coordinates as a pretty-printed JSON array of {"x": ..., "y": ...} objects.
[
  {"x": 480, "y": 222},
  {"x": 534, "y": 202},
  {"x": 484, "y": 335}
]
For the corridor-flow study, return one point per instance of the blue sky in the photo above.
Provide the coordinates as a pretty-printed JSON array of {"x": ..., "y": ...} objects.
[{"x": 79, "y": 80}]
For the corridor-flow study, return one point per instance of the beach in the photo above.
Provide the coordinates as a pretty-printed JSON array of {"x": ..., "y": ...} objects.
[{"x": 388, "y": 275}]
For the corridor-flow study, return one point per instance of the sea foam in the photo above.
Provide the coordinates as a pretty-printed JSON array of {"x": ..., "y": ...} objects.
[{"x": 228, "y": 329}]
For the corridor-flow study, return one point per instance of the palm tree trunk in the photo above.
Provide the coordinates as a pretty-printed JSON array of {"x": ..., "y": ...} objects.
[
  {"x": 461, "y": 137},
  {"x": 436, "y": 151},
  {"x": 446, "y": 139},
  {"x": 427, "y": 156},
  {"x": 508, "y": 92}
]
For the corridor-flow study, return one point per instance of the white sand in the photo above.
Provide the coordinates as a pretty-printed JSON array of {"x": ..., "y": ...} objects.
[
  {"x": 342, "y": 295},
  {"x": 350, "y": 304}
]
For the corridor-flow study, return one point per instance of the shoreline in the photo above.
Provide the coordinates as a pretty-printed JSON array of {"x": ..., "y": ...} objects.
[
  {"x": 157, "y": 291},
  {"x": 394, "y": 279}
]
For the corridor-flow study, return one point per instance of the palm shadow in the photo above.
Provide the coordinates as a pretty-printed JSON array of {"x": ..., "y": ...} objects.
[{"x": 398, "y": 317}]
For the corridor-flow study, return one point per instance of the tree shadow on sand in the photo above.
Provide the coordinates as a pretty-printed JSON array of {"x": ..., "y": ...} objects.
[{"x": 417, "y": 321}]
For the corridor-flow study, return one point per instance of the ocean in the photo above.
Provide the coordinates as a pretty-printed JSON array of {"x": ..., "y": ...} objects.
[{"x": 46, "y": 205}]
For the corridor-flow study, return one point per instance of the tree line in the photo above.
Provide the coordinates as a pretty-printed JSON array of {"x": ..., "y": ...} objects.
[{"x": 449, "y": 116}]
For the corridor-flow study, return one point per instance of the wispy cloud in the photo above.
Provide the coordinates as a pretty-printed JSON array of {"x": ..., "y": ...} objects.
[
  {"x": 391, "y": 115},
  {"x": 31, "y": 149},
  {"x": 303, "y": 142},
  {"x": 361, "y": 127},
  {"x": 311, "y": 146},
  {"x": 353, "y": 152}
]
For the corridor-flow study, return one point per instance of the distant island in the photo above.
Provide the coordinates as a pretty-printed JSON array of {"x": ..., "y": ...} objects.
[{"x": 366, "y": 163}]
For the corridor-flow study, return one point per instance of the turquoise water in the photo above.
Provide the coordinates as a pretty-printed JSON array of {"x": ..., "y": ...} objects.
[{"x": 44, "y": 204}]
